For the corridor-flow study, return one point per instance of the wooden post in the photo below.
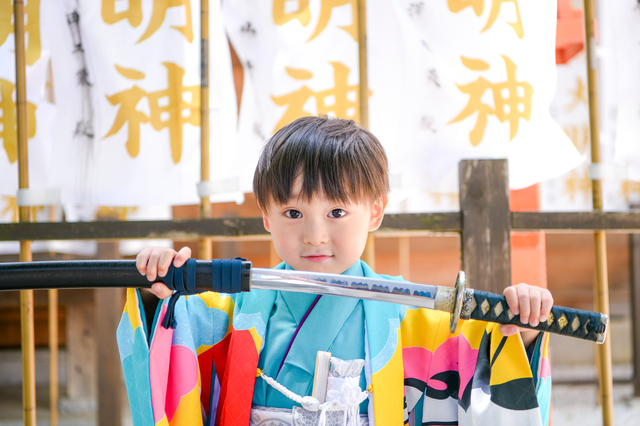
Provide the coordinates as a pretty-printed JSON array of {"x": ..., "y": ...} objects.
[
  {"x": 634, "y": 251},
  {"x": 108, "y": 304},
  {"x": 602, "y": 281},
  {"x": 26, "y": 296},
  {"x": 486, "y": 224},
  {"x": 205, "y": 247}
]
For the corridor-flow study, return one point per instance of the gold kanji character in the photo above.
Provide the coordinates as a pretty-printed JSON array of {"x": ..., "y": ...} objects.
[
  {"x": 32, "y": 27},
  {"x": 577, "y": 182},
  {"x": 134, "y": 15},
  {"x": 303, "y": 15},
  {"x": 120, "y": 213},
  {"x": 281, "y": 17},
  {"x": 456, "y": 6},
  {"x": 579, "y": 95},
  {"x": 10, "y": 208},
  {"x": 177, "y": 110},
  {"x": 511, "y": 107},
  {"x": 629, "y": 188},
  {"x": 334, "y": 101},
  {"x": 579, "y": 135},
  {"x": 8, "y": 131}
]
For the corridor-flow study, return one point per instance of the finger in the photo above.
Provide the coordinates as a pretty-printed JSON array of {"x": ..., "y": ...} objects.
[
  {"x": 183, "y": 255},
  {"x": 142, "y": 259},
  {"x": 152, "y": 264},
  {"x": 546, "y": 305},
  {"x": 525, "y": 305},
  {"x": 166, "y": 257},
  {"x": 534, "y": 303},
  {"x": 511, "y": 294},
  {"x": 161, "y": 291},
  {"x": 508, "y": 329}
]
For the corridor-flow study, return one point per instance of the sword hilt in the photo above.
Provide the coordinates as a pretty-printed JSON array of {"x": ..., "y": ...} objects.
[{"x": 483, "y": 306}]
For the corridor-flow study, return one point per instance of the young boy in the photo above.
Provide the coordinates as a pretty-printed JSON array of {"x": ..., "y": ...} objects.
[{"x": 322, "y": 186}]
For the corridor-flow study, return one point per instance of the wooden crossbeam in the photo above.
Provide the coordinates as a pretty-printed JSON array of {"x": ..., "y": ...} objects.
[{"x": 251, "y": 227}]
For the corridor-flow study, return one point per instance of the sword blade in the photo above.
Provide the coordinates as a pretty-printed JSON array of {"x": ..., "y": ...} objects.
[{"x": 404, "y": 293}]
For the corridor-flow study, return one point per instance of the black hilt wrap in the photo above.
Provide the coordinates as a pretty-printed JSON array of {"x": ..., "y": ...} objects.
[
  {"x": 226, "y": 277},
  {"x": 483, "y": 306},
  {"x": 218, "y": 275}
]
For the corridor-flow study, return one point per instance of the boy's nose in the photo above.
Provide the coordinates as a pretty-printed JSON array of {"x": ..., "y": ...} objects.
[{"x": 315, "y": 234}]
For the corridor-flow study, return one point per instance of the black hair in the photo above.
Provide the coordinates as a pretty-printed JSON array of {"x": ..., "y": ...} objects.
[{"x": 333, "y": 155}]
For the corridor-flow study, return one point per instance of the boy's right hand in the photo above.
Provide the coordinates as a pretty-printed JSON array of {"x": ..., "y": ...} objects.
[{"x": 155, "y": 261}]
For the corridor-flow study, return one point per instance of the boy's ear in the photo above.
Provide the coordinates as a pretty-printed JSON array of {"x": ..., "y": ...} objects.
[
  {"x": 377, "y": 212},
  {"x": 265, "y": 219}
]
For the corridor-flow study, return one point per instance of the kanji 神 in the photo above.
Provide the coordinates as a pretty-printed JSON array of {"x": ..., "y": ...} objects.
[
  {"x": 509, "y": 104},
  {"x": 456, "y": 6},
  {"x": 177, "y": 110},
  {"x": 32, "y": 27},
  {"x": 339, "y": 101},
  {"x": 303, "y": 15},
  {"x": 577, "y": 183},
  {"x": 134, "y": 15},
  {"x": 8, "y": 125}
]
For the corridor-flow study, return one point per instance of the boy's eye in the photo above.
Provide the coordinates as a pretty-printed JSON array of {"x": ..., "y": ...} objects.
[
  {"x": 293, "y": 214},
  {"x": 336, "y": 213}
]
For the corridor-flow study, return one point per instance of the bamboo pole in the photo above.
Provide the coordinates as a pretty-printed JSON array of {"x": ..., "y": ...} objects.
[
  {"x": 204, "y": 245},
  {"x": 54, "y": 394},
  {"x": 53, "y": 357},
  {"x": 363, "y": 99},
  {"x": 369, "y": 254},
  {"x": 602, "y": 284},
  {"x": 26, "y": 296}
]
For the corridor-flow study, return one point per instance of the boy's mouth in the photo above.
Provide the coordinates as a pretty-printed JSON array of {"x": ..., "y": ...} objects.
[{"x": 317, "y": 257}]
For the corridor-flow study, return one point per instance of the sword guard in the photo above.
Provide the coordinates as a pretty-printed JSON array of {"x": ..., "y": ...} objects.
[{"x": 461, "y": 283}]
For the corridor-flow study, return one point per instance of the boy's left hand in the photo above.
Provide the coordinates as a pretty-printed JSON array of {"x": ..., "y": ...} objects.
[{"x": 533, "y": 304}]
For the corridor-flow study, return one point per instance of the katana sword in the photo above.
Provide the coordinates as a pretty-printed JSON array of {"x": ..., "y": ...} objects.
[{"x": 232, "y": 276}]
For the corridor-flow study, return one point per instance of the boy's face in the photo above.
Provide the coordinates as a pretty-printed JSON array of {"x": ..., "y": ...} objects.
[{"x": 321, "y": 235}]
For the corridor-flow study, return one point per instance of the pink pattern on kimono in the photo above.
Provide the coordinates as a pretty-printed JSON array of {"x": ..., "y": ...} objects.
[
  {"x": 173, "y": 372},
  {"x": 455, "y": 354}
]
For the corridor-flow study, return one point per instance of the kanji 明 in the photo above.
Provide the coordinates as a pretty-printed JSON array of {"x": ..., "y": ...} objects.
[
  {"x": 303, "y": 15},
  {"x": 32, "y": 27},
  {"x": 178, "y": 111},
  {"x": 134, "y": 15},
  {"x": 456, "y": 6},
  {"x": 8, "y": 132},
  {"x": 510, "y": 107},
  {"x": 339, "y": 101}
]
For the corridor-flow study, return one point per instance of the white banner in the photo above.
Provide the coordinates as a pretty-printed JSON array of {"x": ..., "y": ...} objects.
[
  {"x": 127, "y": 75},
  {"x": 480, "y": 78},
  {"x": 300, "y": 58},
  {"x": 572, "y": 191},
  {"x": 40, "y": 113},
  {"x": 625, "y": 54},
  {"x": 448, "y": 80}
]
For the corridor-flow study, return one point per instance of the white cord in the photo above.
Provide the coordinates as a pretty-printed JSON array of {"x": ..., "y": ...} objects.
[
  {"x": 308, "y": 402},
  {"x": 342, "y": 393}
]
